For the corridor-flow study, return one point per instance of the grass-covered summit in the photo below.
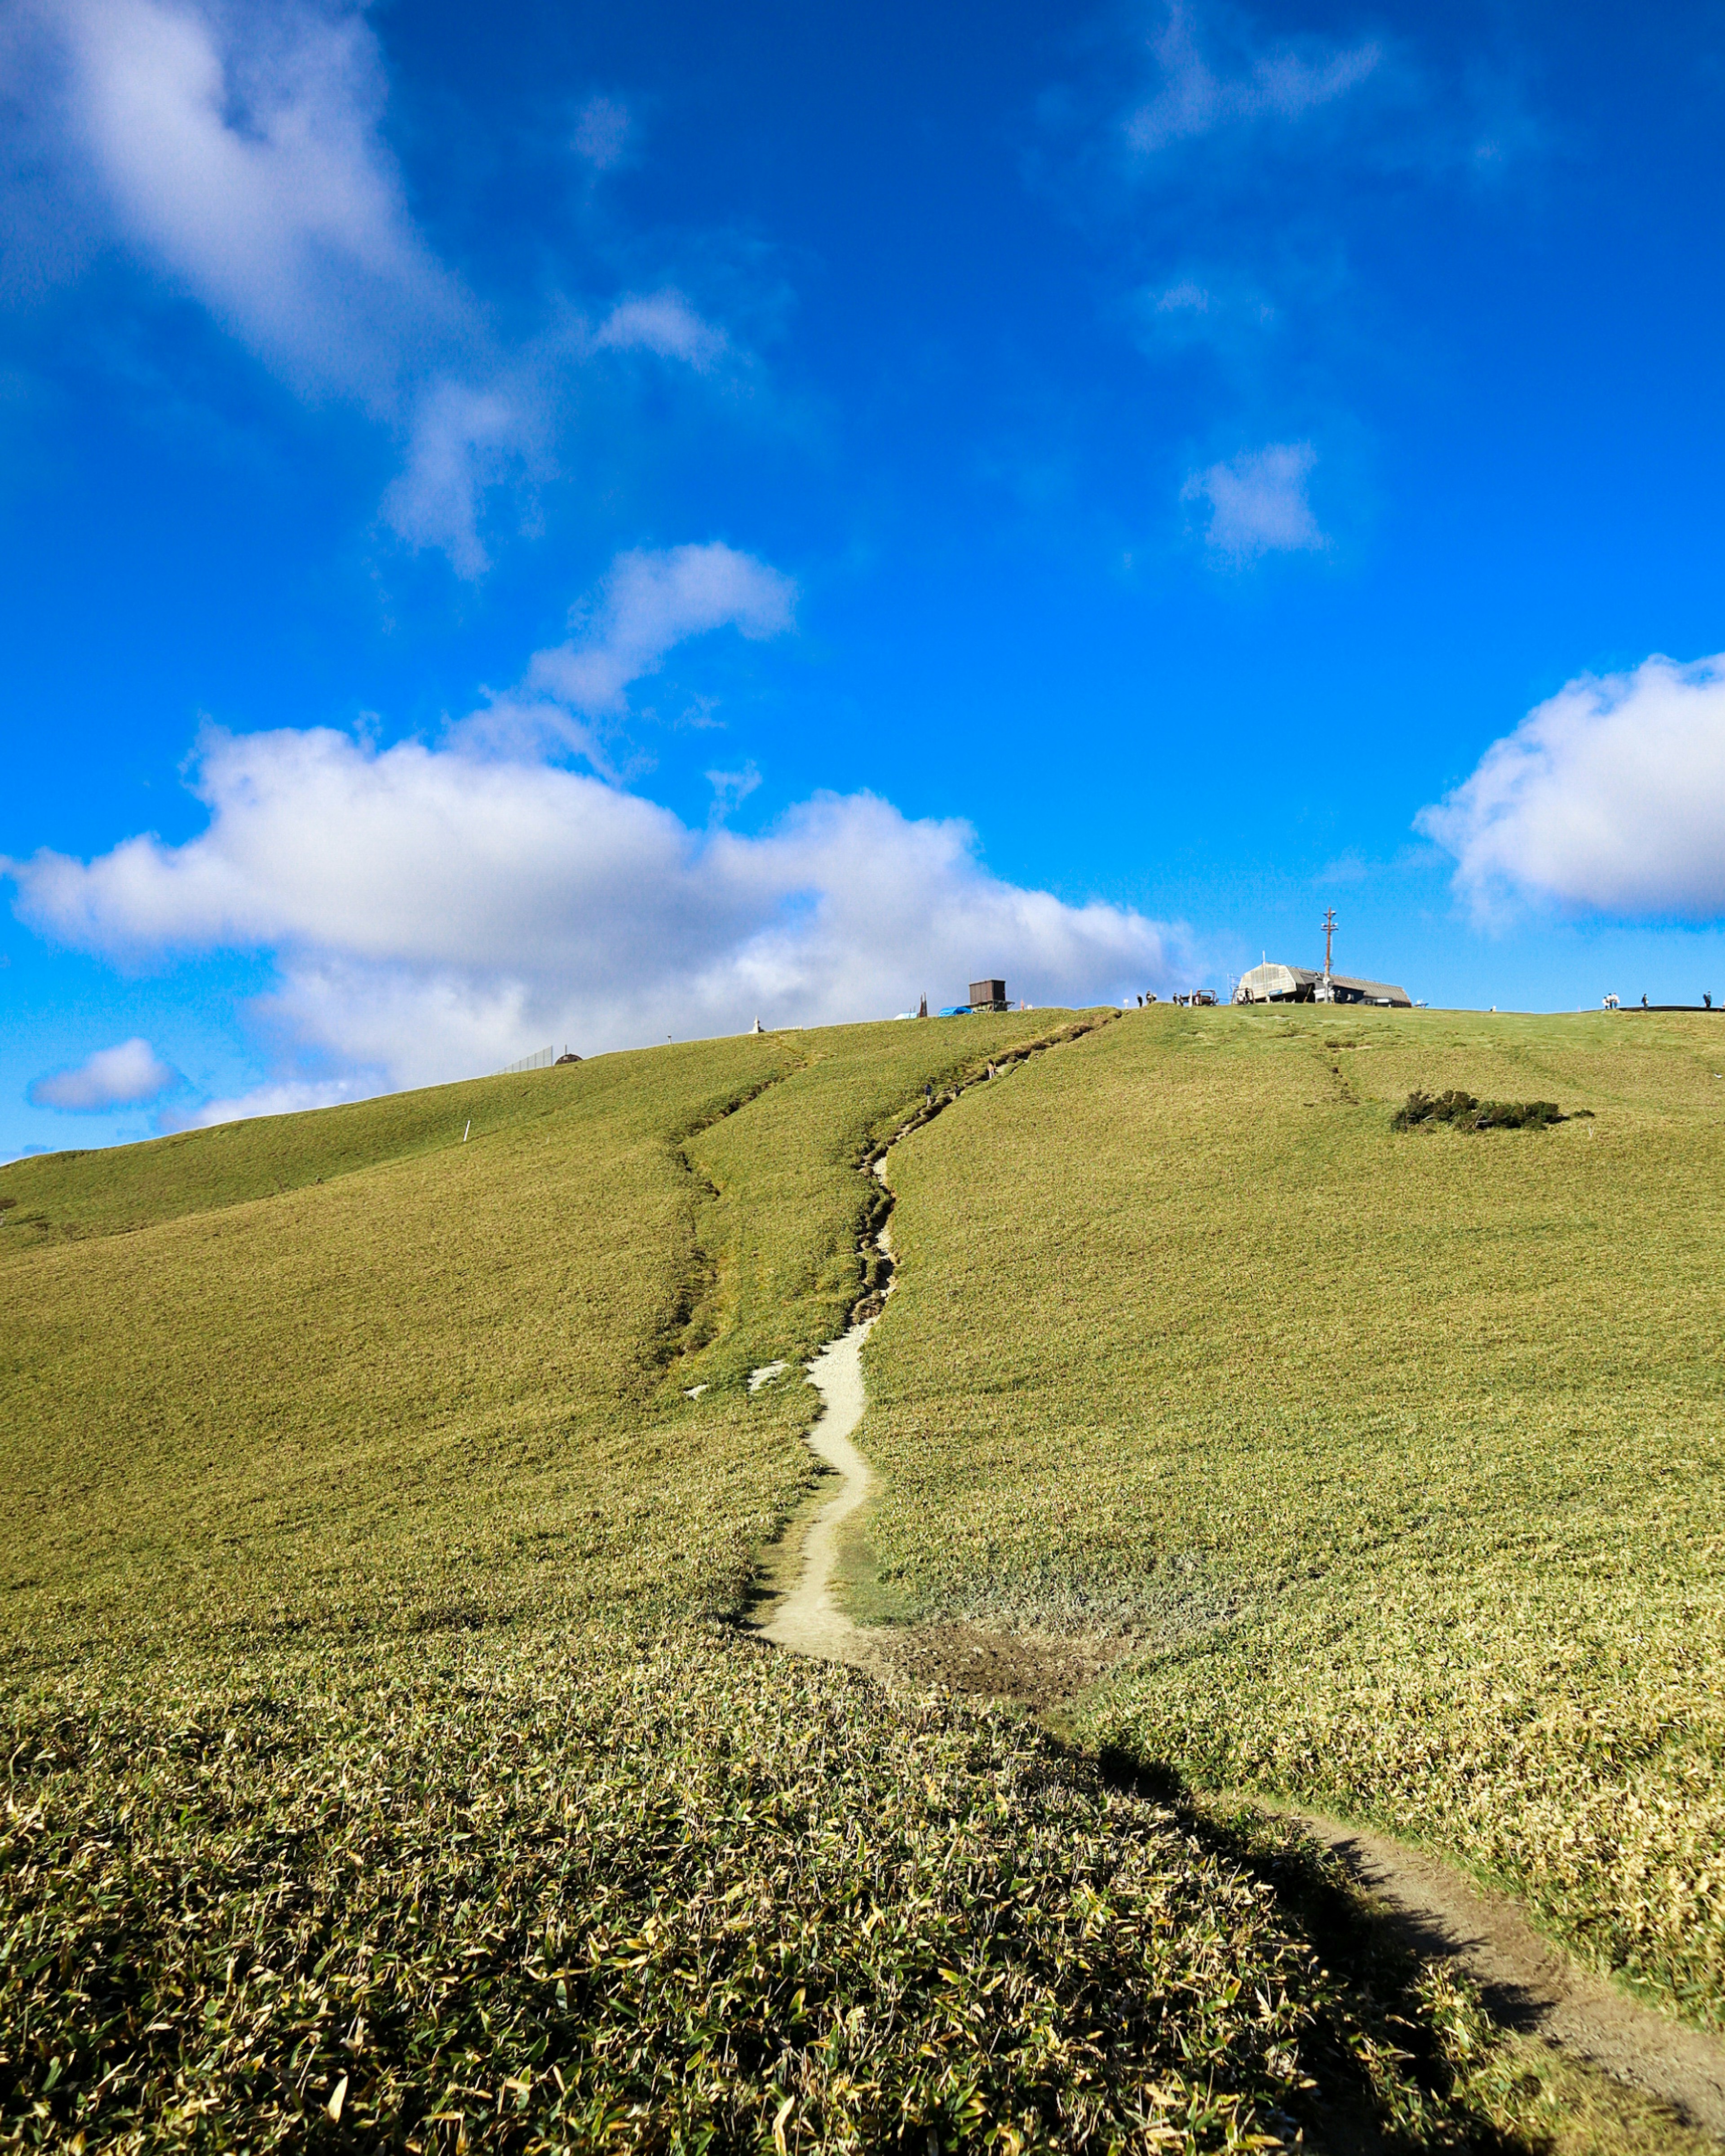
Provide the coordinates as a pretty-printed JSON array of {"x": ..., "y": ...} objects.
[{"x": 385, "y": 1767}]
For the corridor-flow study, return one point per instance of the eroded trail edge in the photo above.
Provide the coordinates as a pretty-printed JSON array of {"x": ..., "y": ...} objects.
[{"x": 1526, "y": 1979}]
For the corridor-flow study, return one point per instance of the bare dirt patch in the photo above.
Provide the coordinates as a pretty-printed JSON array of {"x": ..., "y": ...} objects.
[{"x": 1041, "y": 1670}]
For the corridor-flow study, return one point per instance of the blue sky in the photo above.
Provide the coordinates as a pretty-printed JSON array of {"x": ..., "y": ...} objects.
[{"x": 560, "y": 524}]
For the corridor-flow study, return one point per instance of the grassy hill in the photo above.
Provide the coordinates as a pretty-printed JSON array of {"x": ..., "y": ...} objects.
[
  {"x": 384, "y": 1768},
  {"x": 1400, "y": 1453}
]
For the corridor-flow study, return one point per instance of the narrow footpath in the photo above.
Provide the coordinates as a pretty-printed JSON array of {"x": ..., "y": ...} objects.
[
  {"x": 1527, "y": 1979},
  {"x": 808, "y": 1621}
]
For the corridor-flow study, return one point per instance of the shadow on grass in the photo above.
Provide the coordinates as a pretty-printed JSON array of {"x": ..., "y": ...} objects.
[{"x": 1377, "y": 1972}]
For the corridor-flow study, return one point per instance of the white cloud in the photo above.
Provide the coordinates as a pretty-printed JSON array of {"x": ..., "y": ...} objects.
[
  {"x": 602, "y": 132},
  {"x": 1610, "y": 796},
  {"x": 241, "y": 153},
  {"x": 649, "y": 602},
  {"x": 238, "y": 152},
  {"x": 663, "y": 323},
  {"x": 1258, "y": 504},
  {"x": 433, "y": 915},
  {"x": 290, "y": 1096},
  {"x": 1286, "y": 84},
  {"x": 732, "y": 788},
  {"x": 461, "y": 440},
  {"x": 122, "y": 1077}
]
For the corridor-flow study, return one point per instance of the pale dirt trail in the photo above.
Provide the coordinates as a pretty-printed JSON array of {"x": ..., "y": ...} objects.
[
  {"x": 806, "y": 1620},
  {"x": 1531, "y": 1981},
  {"x": 1527, "y": 1979}
]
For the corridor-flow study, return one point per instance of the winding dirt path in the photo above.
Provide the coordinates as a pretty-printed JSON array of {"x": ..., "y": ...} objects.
[
  {"x": 1528, "y": 1980},
  {"x": 808, "y": 1621}
]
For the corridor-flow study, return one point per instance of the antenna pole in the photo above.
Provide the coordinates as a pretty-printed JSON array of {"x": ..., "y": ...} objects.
[{"x": 1329, "y": 929}]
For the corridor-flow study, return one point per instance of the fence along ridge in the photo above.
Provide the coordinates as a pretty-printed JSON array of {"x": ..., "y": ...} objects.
[{"x": 540, "y": 1060}]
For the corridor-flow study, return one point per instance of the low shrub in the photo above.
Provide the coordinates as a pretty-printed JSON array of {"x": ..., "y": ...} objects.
[
  {"x": 1464, "y": 1112},
  {"x": 533, "y": 1894}
]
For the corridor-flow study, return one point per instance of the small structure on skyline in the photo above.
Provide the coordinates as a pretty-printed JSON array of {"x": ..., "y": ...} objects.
[
  {"x": 987, "y": 995},
  {"x": 1273, "y": 983}
]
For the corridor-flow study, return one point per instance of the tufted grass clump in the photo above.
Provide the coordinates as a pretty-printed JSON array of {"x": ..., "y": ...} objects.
[{"x": 1465, "y": 1111}]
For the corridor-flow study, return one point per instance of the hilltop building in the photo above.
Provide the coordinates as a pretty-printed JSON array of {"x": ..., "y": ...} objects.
[
  {"x": 984, "y": 996},
  {"x": 1273, "y": 983}
]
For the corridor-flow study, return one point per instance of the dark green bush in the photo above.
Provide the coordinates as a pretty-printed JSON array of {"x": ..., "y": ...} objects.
[{"x": 1464, "y": 1112}]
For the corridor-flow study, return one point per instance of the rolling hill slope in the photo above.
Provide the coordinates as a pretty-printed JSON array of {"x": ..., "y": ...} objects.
[
  {"x": 385, "y": 1767},
  {"x": 1400, "y": 1454}
]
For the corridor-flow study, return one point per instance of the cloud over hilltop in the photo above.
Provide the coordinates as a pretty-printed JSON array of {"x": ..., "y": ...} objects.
[
  {"x": 433, "y": 914},
  {"x": 434, "y": 911},
  {"x": 1609, "y": 797}
]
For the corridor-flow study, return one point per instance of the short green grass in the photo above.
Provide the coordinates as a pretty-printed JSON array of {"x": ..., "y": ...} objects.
[
  {"x": 384, "y": 1769},
  {"x": 249, "y": 1382},
  {"x": 380, "y": 1769},
  {"x": 1399, "y": 1453}
]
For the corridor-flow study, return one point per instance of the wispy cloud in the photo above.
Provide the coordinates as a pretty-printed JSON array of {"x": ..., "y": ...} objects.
[
  {"x": 649, "y": 602},
  {"x": 1217, "y": 309},
  {"x": 602, "y": 132},
  {"x": 1194, "y": 98},
  {"x": 1609, "y": 797},
  {"x": 1257, "y": 503},
  {"x": 462, "y": 441},
  {"x": 125, "y": 1076},
  {"x": 239, "y": 153},
  {"x": 731, "y": 789},
  {"x": 243, "y": 155},
  {"x": 666, "y": 324}
]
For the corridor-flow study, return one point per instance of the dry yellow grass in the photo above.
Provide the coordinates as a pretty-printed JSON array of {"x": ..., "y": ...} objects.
[
  {"x": 376, "y": 1744},
  {"x": 1399, "y": 1452}
]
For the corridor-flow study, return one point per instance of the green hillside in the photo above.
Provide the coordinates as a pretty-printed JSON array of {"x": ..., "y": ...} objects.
[
  {"x": 1400, "y": 1454},
  {"x": 386, "y": 1767},
  {"x": 347, "y": 1369}
]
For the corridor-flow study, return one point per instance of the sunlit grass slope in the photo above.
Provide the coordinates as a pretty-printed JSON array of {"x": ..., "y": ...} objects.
[
  {"x": 376, "y": 1775},
  {"x": 382, "y": 1771},
  {"x": 346, "y": 1367},
  {"x": 1401, "y": 1452}
]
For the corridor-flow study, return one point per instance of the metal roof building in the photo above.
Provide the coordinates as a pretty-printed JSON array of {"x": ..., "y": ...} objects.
[
  {"x": 1271, "y": 983},
  {"x": 1344, "y": 990}
]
